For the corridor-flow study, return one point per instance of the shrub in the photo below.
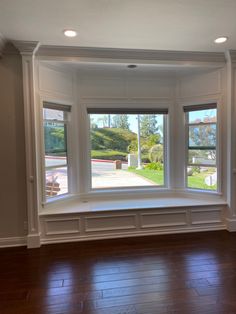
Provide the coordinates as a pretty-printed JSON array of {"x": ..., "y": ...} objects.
[
  {"x": 156, "y": 153},
  {"x": 196, "y": 169},
  {"x": 109, "y": 155},
  {"x": 154, "y": 166}
]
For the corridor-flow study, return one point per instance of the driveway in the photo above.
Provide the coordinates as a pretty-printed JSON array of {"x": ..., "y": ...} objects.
[{"x": 104, "y": 175}]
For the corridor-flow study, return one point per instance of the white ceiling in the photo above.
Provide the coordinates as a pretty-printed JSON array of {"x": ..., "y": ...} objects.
[
  {"x": 189, "y": 25},
  {"x": 102, "y": 69}
]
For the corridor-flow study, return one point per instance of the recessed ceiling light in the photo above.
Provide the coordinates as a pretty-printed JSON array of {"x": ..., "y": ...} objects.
[
  {"x": 70, "y": 33},
  {"x": 132, "y": 66},
  {"x": 221, "y": 40}
]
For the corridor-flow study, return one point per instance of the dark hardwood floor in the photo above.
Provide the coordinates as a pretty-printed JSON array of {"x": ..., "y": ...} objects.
[{"x": 185, "y": 273}]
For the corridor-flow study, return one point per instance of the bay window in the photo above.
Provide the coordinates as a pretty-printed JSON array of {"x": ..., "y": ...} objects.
[{"x": 125, "y": 149}]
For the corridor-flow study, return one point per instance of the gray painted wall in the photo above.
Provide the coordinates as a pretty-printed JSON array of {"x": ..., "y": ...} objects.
[{"x": 12, "y": 149}]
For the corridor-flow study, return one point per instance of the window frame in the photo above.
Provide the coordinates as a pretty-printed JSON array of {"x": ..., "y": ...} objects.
[
  {"x": 57, "y": 105},
  {"x": 132, "y": 189},
  {"x": 198, "y": 107}
]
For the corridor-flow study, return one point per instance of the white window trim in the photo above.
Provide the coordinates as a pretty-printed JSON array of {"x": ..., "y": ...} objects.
[
  {"x": 218, "y": 149},
  {"x": 128, "y": 190},
  {"x": 70, "y": 154}
]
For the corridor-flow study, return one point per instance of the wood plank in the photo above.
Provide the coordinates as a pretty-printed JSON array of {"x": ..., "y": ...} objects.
[{"x": 190, "y": 273}]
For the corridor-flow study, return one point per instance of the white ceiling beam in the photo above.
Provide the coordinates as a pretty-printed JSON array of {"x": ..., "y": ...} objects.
[{"x": 123, "y": 55}]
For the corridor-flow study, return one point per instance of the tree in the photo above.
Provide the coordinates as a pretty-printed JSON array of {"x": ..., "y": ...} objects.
[
  {"x": 93, "y": 124},
  {"x": 148, "y": 125},
  {"x": 121, "y": 121},
  {"x": 104, "y": 120},
  {"x": 203, "y": 136},
  {"x": 153, "y": 139},
  {"x": 54, "y": 138}
]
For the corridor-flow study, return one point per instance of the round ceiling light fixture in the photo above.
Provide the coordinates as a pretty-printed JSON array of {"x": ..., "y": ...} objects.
[
  {"x": 132, "y": 66},
  {"x": 221, "y": 40},
  {"x": 70, "y": 33}
]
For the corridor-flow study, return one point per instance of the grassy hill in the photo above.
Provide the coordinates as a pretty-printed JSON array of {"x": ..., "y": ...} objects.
[
  {"x": 111, "y": 139},
  {"x": 111, "y": 143}
]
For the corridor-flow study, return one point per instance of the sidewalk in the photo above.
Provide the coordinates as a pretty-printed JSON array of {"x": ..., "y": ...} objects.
[{"x": 117, "y": 178}]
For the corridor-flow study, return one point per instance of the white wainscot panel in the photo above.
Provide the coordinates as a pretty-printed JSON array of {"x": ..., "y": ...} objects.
[
  {"x": 62, "y": 226},
  {"x": 207, "y": 216},
  {"x": 55, "y": 81},
  {"x": 200, "y": 85},
  {"x": 163, "y": 219},
  {"x": 110, "y": 223},
  {"x": 154, "y": 88},
  {"x": 101, "y": 88}
]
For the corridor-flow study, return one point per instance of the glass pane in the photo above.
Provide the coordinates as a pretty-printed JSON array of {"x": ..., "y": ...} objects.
[
  {"x": 55, "y": 158},
  {"x": 52, "y": 114},
  {"x": 202, "y": 135},
  {"x": 202, "y": 116},
  {"x": 204, "y": 157},
  {"x": 55, "y": 161},
  {"x": 204, "y": 178},
  {"x": 56, "y": 181},
  {"x": 55, "y": 139},
  {"x": 116, "y": 140}
]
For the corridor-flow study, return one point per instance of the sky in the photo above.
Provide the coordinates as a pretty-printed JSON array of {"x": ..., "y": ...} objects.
[
  {"x": 201, "y": 114},
  {"x": 132, "y": 119}
]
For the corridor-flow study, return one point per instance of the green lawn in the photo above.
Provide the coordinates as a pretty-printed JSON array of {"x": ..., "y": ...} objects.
[
  {"x": 108, "y": 154},
  {"x": 197, "y": 180},
  {"x": 153, "y": 175}
]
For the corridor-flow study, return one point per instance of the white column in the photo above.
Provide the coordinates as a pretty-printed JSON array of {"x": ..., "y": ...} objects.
[
  {"x": 231, "y": 135},
  {"x": 27, "y": 50}
]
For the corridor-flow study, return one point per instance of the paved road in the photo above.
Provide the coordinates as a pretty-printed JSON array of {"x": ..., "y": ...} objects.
[
  {"x": 106, "y": 166},
  {"x": 104, "y": 175}
]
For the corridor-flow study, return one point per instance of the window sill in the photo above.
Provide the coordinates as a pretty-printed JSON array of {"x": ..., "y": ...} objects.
[{"x": 164, "y": 201}]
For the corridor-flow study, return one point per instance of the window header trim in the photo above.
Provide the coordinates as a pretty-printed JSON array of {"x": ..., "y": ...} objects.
[
  {"x": 127, "y": 111},
  {"x": 54, "y": 106},
  {"x": 200, "y": 107}
]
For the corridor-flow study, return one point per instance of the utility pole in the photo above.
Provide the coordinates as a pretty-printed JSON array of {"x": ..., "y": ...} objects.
[{"x": 139, "y": 145}]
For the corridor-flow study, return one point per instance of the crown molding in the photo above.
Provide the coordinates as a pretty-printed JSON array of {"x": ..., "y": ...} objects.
[
  {"x": 26, "y": 47},
  {"x": 130, "y": 54},
  {"x": 232, "y": 54},
  {"x": 2, "y": 44}
]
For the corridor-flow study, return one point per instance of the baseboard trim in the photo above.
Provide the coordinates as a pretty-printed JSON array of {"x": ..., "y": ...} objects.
[
  {"x": 51, "y": 240},
  {"x": 231, "y": 224},
  {"x": 12, "y": 241}
]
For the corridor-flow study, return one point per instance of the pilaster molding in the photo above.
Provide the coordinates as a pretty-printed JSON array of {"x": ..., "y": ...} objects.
[
  {"x": 27, "y": 50},
  {"x": 130, "y": 54},
  {"x": 231, "y": 224},
  {"x": 26, "y": 47},
  {"x": 2, "y": 44},
  {"x": 33, "y": 241}
]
